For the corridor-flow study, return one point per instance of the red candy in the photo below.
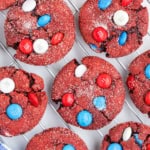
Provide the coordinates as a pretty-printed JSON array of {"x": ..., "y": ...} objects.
[
  {"x": 26, "y": 46},
  {"x": 104, "y": 80},
  {"x": 33, "y": 99},
  {"x": 148, "y": 147},
  {"x": 100, "y": 34},
  {"x": 147, "y": 98},
  {"x": 126, "y": 2},
  {"x": 57, "y": 38},
  {"x": 130, "y": 82},
  {"x": 68, "y": 99}
]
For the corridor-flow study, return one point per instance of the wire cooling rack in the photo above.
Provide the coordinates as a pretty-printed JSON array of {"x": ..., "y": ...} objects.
[{"x": 80, "y": 49}]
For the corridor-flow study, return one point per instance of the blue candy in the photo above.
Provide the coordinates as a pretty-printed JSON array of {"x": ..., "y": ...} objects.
[
  {"x": 93, "y": 47},
  {"x": 137, "y": 140},
  {"x": 123, "y": 38},
  {"x": 115, "y": 146},
  {"x": 84, "y": 118},
  {"x": 103, "y": 4},
  {"x": 147, "y": 71},
  {"x": 100, "y": 102},
  {"x": 44, "y": 20},
  {"x": 14, "y": 111},
  {"x": 68, "y": 147}
]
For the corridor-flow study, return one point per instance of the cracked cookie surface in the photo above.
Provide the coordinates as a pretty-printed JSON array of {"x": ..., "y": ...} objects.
[
  {"x": 56, "y": 138},
  {"x": 117, "y": 30},
  {"x": 127, "y": 136},
  {"x": 94, "y": 98},
  {"x": 22, "y": 107},
  {"x": 138, "y": 82},
  {"x": 40, "y": 36}
]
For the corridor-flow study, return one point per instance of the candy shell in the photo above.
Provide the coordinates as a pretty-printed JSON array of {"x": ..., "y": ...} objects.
[
  {"x": 121, "y": 18},
  {"x": 44, "y": 20},
  {"x": 100, "y": 34},
  {"x": 68, "y": 99},
  {"x": 84, "y": 118},
  {"x": 147, "y": 71},
  {"x": 14, "y": 111},
  {"x": 68, "y": 147},
  {"x": 99, "y": 102},
  {"x": 7, "y": 85},
  {"x": 80, "y": 70},
  {"x": 103, "y": 4},
  {"x": 104, "y": 80},
  {"x": 29, "y": 5},
  {"x": 127, "y": 134},
  {"x": 40, "y": 46},
  {"x": 123, "y": 38},
  {"x": 115, "y": 146}
]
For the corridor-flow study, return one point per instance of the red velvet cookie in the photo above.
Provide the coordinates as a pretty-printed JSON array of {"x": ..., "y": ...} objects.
[
  {"x": 42, "y": 32},
  {"x": 6, "y": 3},
  {"x": 138, "y": 82},
  {"x": 113, "y": 26},
  {"x": 56, "y": 138},
  {"x": 90, "y": 94},
  {"x": 127, "y": 136},
  {"x": 22, "y": 101}
]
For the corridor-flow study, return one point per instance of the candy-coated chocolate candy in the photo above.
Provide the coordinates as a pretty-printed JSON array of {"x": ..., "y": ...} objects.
[
  {"x": 26, "y": 46},
  {"x": 93, "y": 47},
  {"x": 103, "y": 4},
  {"x": 33, "y": 99},
  {"x": 68, "y": 147},
  {"x": 84, "y": 118},
  {"x": 115, "y": 146},
  {"x": 127, "y": 134},
  {"x": 130, "y": 82},
  {"x": 137, "y": 140},
  {"x": 104, "y": 80},
  {"x": 147, "y": 71},
  {"x": 28, "y": 5},
  {"x": 14, "y": 111},
  {"x": 148, "y": 147},
  {"x": 80, "y": 70},
  {"x": 7, "y": 85},
  {"x": 125, "y": 2},
  {"x": 44, "y": 20},
  {"x": 100, "y": 34},
  {"x": 123, "y": 38},
  {"x": 121, "y": 18},
  {"x": 57, "y": 38},
  {"x": 147, "y": 98},
  {"x": 68, "y": 99},
  {"x": 100, "y": 102},
  {"x": 40, "y": 46}
]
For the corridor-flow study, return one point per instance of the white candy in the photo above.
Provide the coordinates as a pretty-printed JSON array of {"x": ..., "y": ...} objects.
[
  {"x": 40, "y": 46},
  {"x": 7, "y": 85},
  {"x": 28, "y": 5},
  {"x": 121, "y": 18},
  {"x": 80, "y": 70},
  {"x": 127, "y": 134}
]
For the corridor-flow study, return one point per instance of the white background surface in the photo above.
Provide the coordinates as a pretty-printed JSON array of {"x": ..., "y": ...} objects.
[{"x": 80, "y": 49}]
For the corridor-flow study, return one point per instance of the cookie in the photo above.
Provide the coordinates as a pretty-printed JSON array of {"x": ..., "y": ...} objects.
[
  {"x": 6, "y": 4},
  {"x": 127, "y": 136},
  {"x": 22, "y": 101},
  {"x": 42, "y": 32},
  {"x": 138, "y": 82},
  {"x": 113, "y": 26},
  {"x": 56, "y": 138},
  {"x": 90, "y": 94}
]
